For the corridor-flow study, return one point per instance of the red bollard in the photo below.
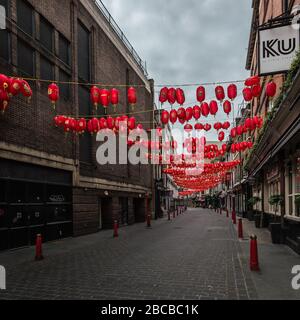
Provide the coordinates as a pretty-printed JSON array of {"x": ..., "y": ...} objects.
[
  {"x": 240, "y": 229},
  {"x": 234, "y": 217},
  {"x": 227, "y": 213},
  {"x": 254, "y": 265},
  {"x": 38, "y": 248},
  {"x": 116, "y": 235},
  {"x": 149, "y": 221}
]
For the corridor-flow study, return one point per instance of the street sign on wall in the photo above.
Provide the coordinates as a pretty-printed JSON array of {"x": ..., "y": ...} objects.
[{"x": 277, "y": 48}]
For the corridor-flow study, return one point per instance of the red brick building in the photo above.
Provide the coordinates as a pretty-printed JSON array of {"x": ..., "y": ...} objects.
[{"x": 50, "y": 183}]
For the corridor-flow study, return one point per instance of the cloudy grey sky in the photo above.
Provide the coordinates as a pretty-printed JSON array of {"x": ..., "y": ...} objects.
[{"x": 188, "y": 41}]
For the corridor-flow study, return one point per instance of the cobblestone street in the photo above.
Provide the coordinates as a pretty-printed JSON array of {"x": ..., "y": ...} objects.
[{"x": 195, "y": 256}]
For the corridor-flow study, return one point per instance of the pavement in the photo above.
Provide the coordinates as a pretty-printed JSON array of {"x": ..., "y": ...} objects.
[{"x": 196, "y": 256}]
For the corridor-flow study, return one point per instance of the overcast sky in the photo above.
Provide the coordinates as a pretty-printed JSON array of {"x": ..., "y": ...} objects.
[{"x": 188, "y": 41}]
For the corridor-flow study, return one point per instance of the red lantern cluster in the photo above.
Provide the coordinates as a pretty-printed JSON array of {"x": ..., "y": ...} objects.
[
  {"x": 172, "y": 96},
  {"x": 251, "y": 124},
  {"x": 252, "y": 89},
  {"x": 241, "y": 146},
  {"x": 11, "y": 87},
  {"x": 95, "y": 125},
  {"x": 219, "y": 126},
  {"x": 212, "y": 151},
  {"x": 104, "y": 97}
]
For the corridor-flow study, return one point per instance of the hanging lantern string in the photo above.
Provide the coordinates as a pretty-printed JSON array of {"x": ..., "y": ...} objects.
[{"x": 124, "y": 85}]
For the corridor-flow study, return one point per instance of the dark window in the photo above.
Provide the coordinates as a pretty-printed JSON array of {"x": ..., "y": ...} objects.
[
  {"x": 85, "y": 139},
  {"x": 47, "y": 69},
  {"x": 5, "y": 45},
  {"x": 83, "y": 53},
  {"x": 3, "y": 217},
  {"x": 36, "y": 215},
  {"x": 65, "y": 90},
  {"x": 46, "y": 34},
  {"x": 25, "y": 16},
  {"x": 59, "y": 214},
  {"x": 18, "y": 217},
  {"x": 35, "y": 193},
  {"x": 64, "y": 50},
  {"x": 4, "y": 4},
  {"x": 2, "y": 191},
  {"x": 25, "y": 58},
  {"x": 17, "y": 192},
  {"x": 285, "y": 5}
]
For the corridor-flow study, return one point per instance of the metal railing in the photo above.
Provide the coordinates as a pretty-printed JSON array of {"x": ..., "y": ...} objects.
[{"x": 142, "y": 64}]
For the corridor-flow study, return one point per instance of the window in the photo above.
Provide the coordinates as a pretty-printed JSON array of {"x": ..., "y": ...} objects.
[
  {"x": 285, "y": 5},
  {"x": 25, "y": 17},
  {"x": 83, "y": 53},
  {"x": 47, "y": 69},
  {"x": 4, "y": 4},
  {"x": 85, "y": 139},
  {"x": 5, "y": 45},
  {"x": 64, "y": 50},
  {"x": 46, "y": 34},
  {"x": 65, "y": 90},
  {"x": 25, "y": 58}
]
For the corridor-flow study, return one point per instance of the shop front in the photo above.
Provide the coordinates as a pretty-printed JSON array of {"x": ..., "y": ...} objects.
[{"x": 33, "y": 200}]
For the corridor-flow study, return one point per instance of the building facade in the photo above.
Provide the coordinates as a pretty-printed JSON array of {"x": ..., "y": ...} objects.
[
  {"x": 50, "y": 182},
  {"x": 271, "y": 169}
]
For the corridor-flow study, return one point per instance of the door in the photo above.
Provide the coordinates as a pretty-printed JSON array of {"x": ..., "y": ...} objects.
[{"x": 124, "y": 210}]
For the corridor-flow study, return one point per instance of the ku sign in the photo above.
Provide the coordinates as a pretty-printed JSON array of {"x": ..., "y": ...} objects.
[{"x": 277, "y": 49}]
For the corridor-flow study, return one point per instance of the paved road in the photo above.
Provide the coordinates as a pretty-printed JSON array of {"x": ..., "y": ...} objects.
[{"x": 195, "y": 256}]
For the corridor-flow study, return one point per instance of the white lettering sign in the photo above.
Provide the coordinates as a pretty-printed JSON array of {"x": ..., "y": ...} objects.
[{"x": 278, "y": 47}]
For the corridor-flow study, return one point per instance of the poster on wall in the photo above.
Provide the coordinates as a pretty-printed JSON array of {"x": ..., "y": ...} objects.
[{"x": 278, "y": 47}]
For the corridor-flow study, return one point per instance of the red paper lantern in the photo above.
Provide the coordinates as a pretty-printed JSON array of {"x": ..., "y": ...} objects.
[
  {"x": 14, "y": 86},
  {"x": 53, "y": 93},
  {"x": 173, "y": 116},
  {"x": 94, "y": 95},
  {"x": 220, "y": 93},
  {"x": 165, "y": 117},
  {"x": 81, "y": 126},
  {"x": 199, "y": 126},
  {"x": 218, "y": 126},
  {"x": 110, "y": 123},
  {"x": 213, "y": 106},
  {"x": 250, "y": 145},
  {"x": 132, "y": 97},
  {"x": 172, "y": 96},
  {"x": 207, "y": 127},
  {"x": 180, "y": 96},
  {"x": 181, "y": 114},
  {"x": 131, "y": 123},
  {"x": 4, "y": 82},
  {"x": 233, "y": 133},
  {"x": 248, "y": 123},
  {"x": 201, "y": 94},
  {"x": 114, "y": 96},
  {"x": 189, "y": 112},
  {"x": 226, "y": 125},
  {"x": 240, "y": 130},
  {"x": 103, "y": 123},
  {"x": 224, "y": 147},
  {"x": 221, "y": 136},
  {"x": 256, "y": 90},
  {"x": 26, "y": 90},
  {"x": 227, "y": 107},
  {"x": 205, "y": 109},
  {"x": 233, "y": 148},
  {"x": 188, "y": 128},
  {"x": 247, "y": 93},
  {"x": 163, "y": 95},
  {"x": 271, "y": 89},
  {"x": 197, "y": 112},
  {"x": 4, "y": 100},
  {"x": 232, "y": 92},
  {"x": 104, "y": 98},
  {"x": 252, "y": 81}
]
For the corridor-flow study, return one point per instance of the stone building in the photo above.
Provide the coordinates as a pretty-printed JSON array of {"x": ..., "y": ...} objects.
[{"x": 51, "y": 183}]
